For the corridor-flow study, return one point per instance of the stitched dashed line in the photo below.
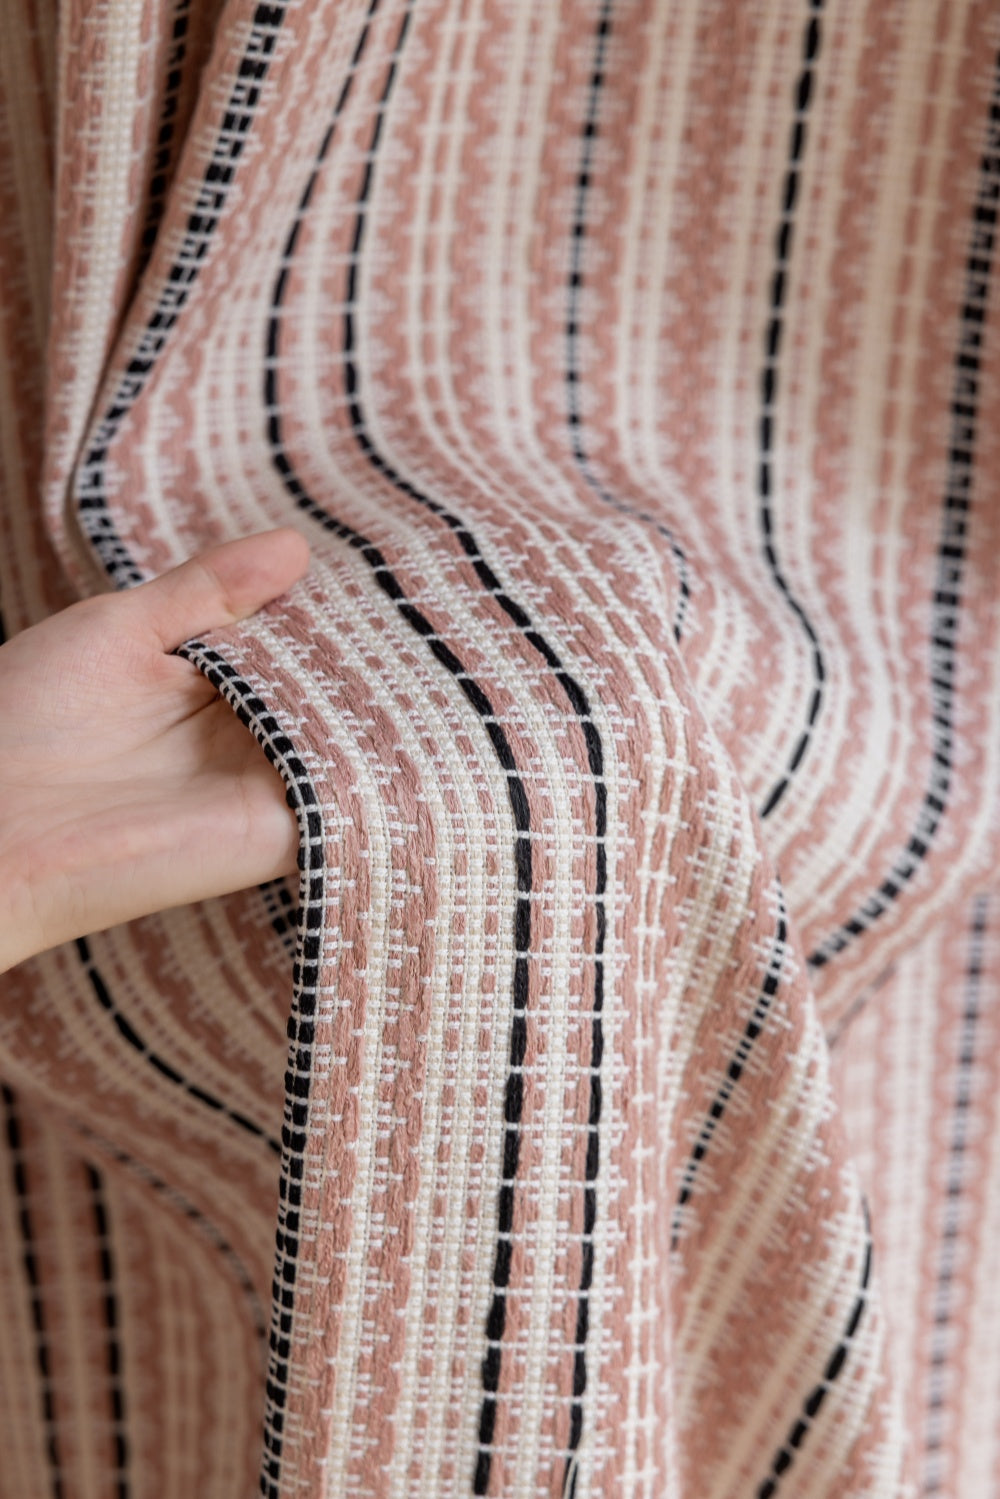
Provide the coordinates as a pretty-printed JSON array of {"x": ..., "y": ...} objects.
[
  {"x": 947, "y": 598},
  {"x": 769, "y": 380},
  {"x": 98, "y": 525},
  {"x": 390, "y": 585},
  {"x": 735, "y": 1069},
  {"x": 29, "y": 1261},
  {"x": 167, "y": 1070},
  {"x": 109, "y": 1308},
  {"x": 958, "y": 1171},
  {"x": 578, "y": 233},
  {"x": 814, "y": 1402},
  {"x": 161, "y": 162},
  {"x": 301, "y": 796},
  {"x": 89, "y": 487}
]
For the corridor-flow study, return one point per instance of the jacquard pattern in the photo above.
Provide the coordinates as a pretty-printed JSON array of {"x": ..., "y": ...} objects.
[{"x": 611, "y": 1107}]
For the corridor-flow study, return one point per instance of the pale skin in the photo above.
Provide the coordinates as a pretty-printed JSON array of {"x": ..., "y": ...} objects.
[{"x": 127, "y": 785}]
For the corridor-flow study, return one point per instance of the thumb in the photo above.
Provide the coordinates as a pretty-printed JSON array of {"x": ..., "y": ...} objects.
[{"x": 218, "y": 587}]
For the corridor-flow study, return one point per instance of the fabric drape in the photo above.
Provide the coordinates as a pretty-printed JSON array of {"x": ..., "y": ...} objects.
[{"x": 611, "y": 1105}]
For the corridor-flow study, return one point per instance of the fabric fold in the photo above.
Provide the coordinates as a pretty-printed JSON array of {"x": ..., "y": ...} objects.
[{"x": 597, "y": 1114}]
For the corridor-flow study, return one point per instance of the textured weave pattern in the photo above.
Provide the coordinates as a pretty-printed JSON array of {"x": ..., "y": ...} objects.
[{"x": 613, "y": 1108}]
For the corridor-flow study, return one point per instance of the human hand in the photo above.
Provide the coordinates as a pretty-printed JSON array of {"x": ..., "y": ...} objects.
[{"x": 127, "y": 785}]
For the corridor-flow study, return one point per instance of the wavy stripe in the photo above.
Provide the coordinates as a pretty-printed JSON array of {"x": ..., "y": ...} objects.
[
  {"x": 813, "y": 1404},
  {"x": 784, "y": 241},
  {"x": 89, "y": 488},
  {"x": 735, "y": 1069},
  {"x": 204, "y": 1226},
  {"x": 165, "y": 1069},
  {"x": 946, "y": 600},
  {"x": 389, "y": 583},
  {"x": 472, "y": 690},
  {"x": 166, "y": 134},
  {"x": 98, "y": 525},
  {"x": 574, "y": 319}
]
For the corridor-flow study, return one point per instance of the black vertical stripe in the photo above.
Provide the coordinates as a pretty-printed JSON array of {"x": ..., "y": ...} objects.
[
  {"x": 389, "y": 583},
  {"x": 166, "y": 130},
  {"x": 824, "y": 959},
  {"x": 302, "y": 797},
  {"x": 769, "y": 388},
  {"x": 734, "y": 1071},
  {"x": 29, "y": 1261},
  {"x": 387, "y": 580},
  {"x": 574, "y": 320},
  {"x": 575, "y": 421},
  {"x": 496, "y": 1316},
  {"x": 112, "y": 1328},
  {"x": 98, "y": 524},
  {"x": 942, "y": 1344},
  {"x": 956, "y": 514},
  {"x": 834, "y": 1367},
  {"x": 89, "y": 487}
]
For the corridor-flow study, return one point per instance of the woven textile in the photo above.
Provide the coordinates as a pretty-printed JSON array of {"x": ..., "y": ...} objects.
[{"x": 613, "y": 1106}]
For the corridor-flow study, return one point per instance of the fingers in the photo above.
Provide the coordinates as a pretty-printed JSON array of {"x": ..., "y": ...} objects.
[{"x": 227, "y": 583}]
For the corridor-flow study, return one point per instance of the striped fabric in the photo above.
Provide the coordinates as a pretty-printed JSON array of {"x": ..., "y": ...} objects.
[{"x": 613, "y": 1106}]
